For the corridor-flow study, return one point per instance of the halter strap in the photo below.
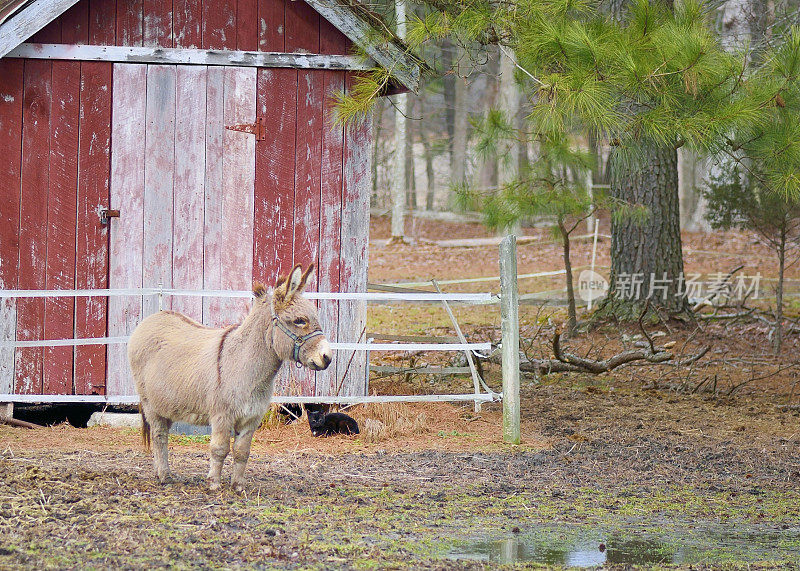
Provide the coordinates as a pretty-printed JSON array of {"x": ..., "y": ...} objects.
[{"x": 299, "y": 340}]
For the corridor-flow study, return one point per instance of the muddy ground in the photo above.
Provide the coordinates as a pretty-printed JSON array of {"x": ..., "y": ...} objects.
[{"x": 647, "y": 466}]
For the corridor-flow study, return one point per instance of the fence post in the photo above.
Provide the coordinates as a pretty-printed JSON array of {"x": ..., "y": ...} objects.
[{"x": 509, "y": 324}]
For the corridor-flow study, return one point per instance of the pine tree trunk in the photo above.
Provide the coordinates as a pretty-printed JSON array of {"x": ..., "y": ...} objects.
[{"x": 648, "y": 252}]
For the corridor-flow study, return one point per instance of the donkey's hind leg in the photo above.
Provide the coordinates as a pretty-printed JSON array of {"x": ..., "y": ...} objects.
[
  {"x": 220, "y": 446},
  {"x": 159, "y": 428}
]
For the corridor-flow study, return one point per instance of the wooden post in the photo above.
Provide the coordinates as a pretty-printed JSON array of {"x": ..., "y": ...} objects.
[
  {"x": 509, "y": 323},
  {"x": 6, "y": 410}
]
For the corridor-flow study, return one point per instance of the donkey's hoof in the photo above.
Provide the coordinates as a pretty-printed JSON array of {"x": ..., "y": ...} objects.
[
  {"x": 214, "y": 485},
  {"x": 237, "y": 487},
  {"x": 164, "y": 478}
]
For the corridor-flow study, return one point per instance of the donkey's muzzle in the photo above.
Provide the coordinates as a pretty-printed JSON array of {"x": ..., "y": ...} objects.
[{"x": 322, "y": 356}]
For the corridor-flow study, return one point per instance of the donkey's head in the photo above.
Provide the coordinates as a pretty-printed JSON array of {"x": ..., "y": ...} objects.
[{"x": 295, "y": 332}]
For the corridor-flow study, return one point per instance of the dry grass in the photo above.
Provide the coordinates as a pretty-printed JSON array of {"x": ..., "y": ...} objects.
[{"x": 381, "y": 421}]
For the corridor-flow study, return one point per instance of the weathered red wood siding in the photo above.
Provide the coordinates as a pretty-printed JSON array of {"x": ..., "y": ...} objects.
[
  {"x": 11, "y": 105},
  {"x": 252, "y": 25}
]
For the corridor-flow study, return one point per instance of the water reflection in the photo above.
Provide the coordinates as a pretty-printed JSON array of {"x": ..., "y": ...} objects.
[{"x": 580, "y": 553}]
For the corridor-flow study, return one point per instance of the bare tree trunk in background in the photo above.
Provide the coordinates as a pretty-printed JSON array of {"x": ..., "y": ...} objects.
[
  {"x": 487, "y": 171},
  {"x": 458, "y": 156},
  {"x": 449, "y": 91},
  {"x": 399, "y": 182},
  {"x": 411, "y": 179},
  {"x": 430, "y": 193},
  {"x": 508, "y": 102},
  {"x": 376, "y": 142},
  {"x": 430, "y": 175},
  {"x": 692, "y": 171}
]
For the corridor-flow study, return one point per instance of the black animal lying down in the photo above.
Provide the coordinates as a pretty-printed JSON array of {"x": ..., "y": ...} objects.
[{"x": 322, "y": 424}]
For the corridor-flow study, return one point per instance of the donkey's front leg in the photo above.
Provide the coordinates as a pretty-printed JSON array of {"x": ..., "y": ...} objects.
[
  {"x": 220, "y": 445},
  {"x": 241, "y": 452}
]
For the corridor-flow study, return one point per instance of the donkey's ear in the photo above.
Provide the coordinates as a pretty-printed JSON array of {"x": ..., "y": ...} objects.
[
  {"x": 305, "y": 276},
  {"x": 259, "y": 290},
  {"x": 286, "y": 287},
  {"x": 296, "y": 280}
]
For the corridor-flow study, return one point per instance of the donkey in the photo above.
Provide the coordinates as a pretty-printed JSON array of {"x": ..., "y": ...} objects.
[{"x": 185, "y": 371}]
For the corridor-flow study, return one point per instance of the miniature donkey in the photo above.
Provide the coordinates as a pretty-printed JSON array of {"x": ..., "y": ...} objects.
[{"x": 225, "y": 377}]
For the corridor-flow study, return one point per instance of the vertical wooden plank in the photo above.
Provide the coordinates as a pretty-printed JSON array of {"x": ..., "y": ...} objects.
[
  {"x": 219, "y": 24},
  {"x": 238, "y": 169},
  {"x": 190, "y": 140},
  {"x": 102, "y": 19},
  {"x": 271, "y": 26},
  {"x": 159, "y": 171},
  {"x": 157, "y": 30},
  {"x": 91, "y": 258},
  {"x": 130, "y": 24},
  {"x": 332, "y": 41},
  {"x": 308, "y": 161},
  {"x": 330, "y": 225},
  {"x": 127, "y": 233},
  {"x": 33, "y": 221},
  {"x": 275, "y": 168},
  {"x": 11, "y": 99},
  {"x": 212, "y": 225},
  {"x": 355, "y": 236},
  {"x": 61, "y": 222},
  {"x": 247, "y": 25},
  {"x": 75, "y": 24},
  {"x": 188, "y": 22},
  {"x": 302, "y": 28}
]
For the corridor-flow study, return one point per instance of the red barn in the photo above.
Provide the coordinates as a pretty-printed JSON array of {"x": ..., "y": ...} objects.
[{"x": 185, "y": 144}]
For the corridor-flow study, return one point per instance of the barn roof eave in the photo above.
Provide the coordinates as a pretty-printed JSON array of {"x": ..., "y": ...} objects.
[
  {"x": 20, "y": 19},
  {"x": 369, "y": 32}
]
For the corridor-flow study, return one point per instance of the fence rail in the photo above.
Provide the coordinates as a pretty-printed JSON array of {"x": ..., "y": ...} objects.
[{"x": 469, "y": 298}]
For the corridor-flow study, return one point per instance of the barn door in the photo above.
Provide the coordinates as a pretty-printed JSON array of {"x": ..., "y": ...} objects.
[
  {"x": 55, "y": 121},
  {"x": 184, "y": 187}
]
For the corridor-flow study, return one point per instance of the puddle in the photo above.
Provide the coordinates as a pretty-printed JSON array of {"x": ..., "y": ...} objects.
[{"x": 591, "y": 548}]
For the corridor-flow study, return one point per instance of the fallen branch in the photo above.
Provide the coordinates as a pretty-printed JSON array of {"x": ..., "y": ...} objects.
[{"x": 569, "y": 363}]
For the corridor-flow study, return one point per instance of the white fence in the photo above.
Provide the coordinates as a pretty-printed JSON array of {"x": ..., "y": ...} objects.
[
  {"x": 482, "y": 393},
  {"x": 478, "y": 298}
]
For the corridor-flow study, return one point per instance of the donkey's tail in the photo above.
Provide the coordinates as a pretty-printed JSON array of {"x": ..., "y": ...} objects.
[{"x": 145, "y": 430}]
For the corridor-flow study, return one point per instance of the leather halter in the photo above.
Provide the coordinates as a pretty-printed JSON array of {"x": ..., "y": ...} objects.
[{"x": 299, "y": 340}]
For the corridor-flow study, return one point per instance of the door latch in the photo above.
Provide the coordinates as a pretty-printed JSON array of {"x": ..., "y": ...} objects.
[{"x": 106, "y": 215}]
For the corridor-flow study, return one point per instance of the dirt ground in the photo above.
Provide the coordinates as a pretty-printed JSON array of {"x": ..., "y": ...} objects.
[{"x": 651, "y": 466}]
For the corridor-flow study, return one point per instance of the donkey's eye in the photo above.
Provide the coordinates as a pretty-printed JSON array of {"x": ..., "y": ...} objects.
[{"x": 301, "y": 322}]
